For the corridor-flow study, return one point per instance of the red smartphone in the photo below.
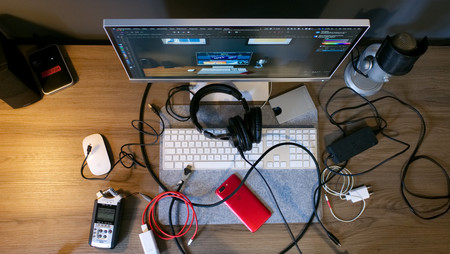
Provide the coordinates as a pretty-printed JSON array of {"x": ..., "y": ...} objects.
[{"x": 244, "y": 204}]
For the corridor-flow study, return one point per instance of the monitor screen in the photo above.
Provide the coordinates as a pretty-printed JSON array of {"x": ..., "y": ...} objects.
[{"x": 233, "y": 49}]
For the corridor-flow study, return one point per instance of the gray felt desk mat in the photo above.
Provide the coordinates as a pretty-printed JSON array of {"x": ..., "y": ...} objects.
[{"x": 293, "y": 189}]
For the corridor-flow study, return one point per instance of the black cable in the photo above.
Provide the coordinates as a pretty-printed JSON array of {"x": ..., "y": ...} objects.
[
  {"x": 142, "y": 139},
  {"x": 330, "y": 116},
  {"x": 143, "y": 145},
  {"x": 83, "y": 165},
  {"x": 275, "y": 201},
  {"x": 171, "y": 222},
  {"x": 355, "y": 63},
  {"x": 128, "y": 154},
  {"x": 381, "y": 125},
  {"x": 169, "y": 104},
  {"x": 413, "y": 157},
  {"x": 421, "y": 196},
  {"x": 152, "y": 133},
  {"x": 316, "y": 202},
  {"x": 122, "y": 155}
]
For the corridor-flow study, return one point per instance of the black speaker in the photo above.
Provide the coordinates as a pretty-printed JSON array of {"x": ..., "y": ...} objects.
[{"x": 18, "y": 87}]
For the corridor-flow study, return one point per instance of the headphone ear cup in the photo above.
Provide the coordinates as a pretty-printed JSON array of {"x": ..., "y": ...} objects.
[
  {"x": 253, "y": 122},
  {"x": 233, "y": 135},
  {"x": 238, "y": 134}
]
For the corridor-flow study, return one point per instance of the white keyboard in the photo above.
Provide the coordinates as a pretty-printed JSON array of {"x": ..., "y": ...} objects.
[
  {"x": 181, "y": 147},
  {"x": 222, "y": 71}
]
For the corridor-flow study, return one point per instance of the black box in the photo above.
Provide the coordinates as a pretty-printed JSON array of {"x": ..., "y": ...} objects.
[{"x": 18, "y": 87}]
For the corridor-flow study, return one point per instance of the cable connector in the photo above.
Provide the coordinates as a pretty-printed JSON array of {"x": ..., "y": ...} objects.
[
  {"x": 358, "y": 194},
  {"x": 88, "y": 149},
  {"x": 186, "y": 174},
  {"x": 147, "y": 198},
  {"x": 154, "y": 108},
  {"x": 148, "y": 241},
  {"x": 334, "y": 239}
]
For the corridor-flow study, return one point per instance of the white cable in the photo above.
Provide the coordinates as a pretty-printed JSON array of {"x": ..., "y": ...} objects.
[
  {"x": 347, "y": 184},
  {"x": 344, "y": 193},
  {"x": 270, "y": 93},
  {"x": 342, "y": 220}
]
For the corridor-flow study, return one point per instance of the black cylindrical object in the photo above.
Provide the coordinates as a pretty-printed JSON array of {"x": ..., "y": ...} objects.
[{"x": 397, "y": 56}]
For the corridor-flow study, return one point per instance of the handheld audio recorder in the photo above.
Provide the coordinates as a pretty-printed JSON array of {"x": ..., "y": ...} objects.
[{"x": 105, "y": 219}]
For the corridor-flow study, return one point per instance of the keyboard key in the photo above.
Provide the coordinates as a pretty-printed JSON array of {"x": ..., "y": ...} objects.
[
  {"x": 169, "y": 165},
  {"x": 170, "y": 151},
  {"x": 240, "y": 164},
  {"x": 296, "y": 164}
]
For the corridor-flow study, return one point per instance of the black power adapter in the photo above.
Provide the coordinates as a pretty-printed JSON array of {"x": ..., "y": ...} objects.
[{"x": 349, "y": 146}]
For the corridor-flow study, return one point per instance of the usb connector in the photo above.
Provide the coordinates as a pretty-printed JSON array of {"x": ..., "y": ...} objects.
[{"x": 148, "y": 241}]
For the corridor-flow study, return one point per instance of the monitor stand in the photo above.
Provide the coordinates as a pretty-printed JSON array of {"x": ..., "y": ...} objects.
[{"x": 252, "y": 91}]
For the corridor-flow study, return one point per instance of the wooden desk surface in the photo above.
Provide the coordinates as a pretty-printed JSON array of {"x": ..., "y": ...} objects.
[{"x": 46, "y": 206}]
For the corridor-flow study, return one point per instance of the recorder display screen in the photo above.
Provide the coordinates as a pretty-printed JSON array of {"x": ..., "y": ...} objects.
[{"x": 105, "y": 214}]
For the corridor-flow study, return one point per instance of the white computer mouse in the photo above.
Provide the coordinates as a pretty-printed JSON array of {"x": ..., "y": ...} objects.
[{"x": 98, "y": 160}]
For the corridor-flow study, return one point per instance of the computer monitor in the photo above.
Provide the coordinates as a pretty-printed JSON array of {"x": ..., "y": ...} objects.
[{"x": 233, "y": 49}]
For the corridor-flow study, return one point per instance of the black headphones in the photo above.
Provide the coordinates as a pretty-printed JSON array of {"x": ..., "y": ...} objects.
[{"x": 242, "y": 133}]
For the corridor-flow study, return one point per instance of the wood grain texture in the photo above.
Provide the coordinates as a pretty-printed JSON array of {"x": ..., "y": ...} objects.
[{"x": 46, "y": 206}]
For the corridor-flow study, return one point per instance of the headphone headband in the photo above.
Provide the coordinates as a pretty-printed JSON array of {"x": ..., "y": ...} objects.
[{"x": 209, "y": 89}]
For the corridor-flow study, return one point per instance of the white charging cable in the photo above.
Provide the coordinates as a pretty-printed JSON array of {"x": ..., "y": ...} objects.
[{"x": 346, "y": 191}]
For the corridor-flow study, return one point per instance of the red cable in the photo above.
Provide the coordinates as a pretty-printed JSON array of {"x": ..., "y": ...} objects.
[{"x": 154, "y": 224}]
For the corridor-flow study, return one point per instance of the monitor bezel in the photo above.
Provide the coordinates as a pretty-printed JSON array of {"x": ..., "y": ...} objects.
[{"x": 122, "y": 23}]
